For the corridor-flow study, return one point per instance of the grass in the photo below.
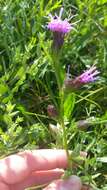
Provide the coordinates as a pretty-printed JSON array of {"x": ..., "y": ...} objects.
[{"x": 28, "y": 84}]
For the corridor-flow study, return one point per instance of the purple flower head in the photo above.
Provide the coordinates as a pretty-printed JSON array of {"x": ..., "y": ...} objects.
[
  {"x": 88, "y": 76},
  {"x": 58, "y": 25},
  {"x": 59, "y": 28}
]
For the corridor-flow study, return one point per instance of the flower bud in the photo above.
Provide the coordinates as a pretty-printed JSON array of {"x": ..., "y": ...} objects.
[{"x": 51, "y": 110}]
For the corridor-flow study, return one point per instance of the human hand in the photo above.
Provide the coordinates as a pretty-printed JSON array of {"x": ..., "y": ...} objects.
[{"x": 37, "y": 167}]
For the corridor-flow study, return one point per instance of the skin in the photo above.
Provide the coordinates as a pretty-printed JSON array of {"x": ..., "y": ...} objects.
[{"x": 37, "y": 167}]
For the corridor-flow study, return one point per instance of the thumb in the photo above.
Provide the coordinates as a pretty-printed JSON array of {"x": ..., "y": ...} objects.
[{"x": 73, "y": 183}]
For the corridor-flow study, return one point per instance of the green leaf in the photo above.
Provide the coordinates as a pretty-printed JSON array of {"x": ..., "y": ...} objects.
[
  {"x": 3, "y": 89},
  {"x": 102, "y": 159},
  {"x": 69, "y": 105}
]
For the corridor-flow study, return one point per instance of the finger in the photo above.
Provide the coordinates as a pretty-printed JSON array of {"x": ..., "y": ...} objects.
[
  {"x": 16, "y": 168},
  {"x": 38, "y": 178},
  {"x": 47, "y": 159},
  {"x": 73, "y": 183},
  {"x": 3, "y": 186}
]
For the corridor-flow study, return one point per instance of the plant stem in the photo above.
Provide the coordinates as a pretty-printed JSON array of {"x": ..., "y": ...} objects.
[
  {"x": 65, "y": 145},
  {"x": 57, "y": 68}
]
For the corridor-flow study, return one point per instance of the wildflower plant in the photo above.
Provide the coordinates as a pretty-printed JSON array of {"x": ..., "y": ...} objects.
[
  {"x": 66, "y": 101},
  {"x": 49, "y": 63}
]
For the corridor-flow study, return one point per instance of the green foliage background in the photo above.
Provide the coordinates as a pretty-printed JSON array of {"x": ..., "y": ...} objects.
[{"x": 28, "y": 84}]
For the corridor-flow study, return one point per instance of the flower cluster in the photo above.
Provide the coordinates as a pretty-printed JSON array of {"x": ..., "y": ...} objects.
[
  {"x": 89, "y": 75},
  {"x": 59, "y": 28},
  {"x": 58, "y": 25}
]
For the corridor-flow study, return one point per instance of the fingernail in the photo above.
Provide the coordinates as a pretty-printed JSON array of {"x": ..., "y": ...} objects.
[{"x": 73, "y": 183}]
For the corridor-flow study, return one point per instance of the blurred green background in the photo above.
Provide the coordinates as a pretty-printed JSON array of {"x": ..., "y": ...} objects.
[{"x": 27, "y": 81}]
